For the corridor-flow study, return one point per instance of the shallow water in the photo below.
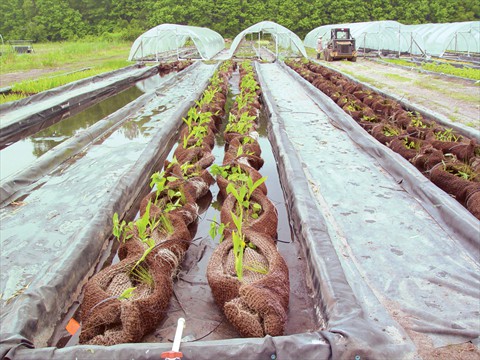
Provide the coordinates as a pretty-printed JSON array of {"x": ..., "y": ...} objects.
[{"x": 24, "y": 152}]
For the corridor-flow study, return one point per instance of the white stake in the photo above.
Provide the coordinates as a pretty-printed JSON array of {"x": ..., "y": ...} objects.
[{"x": 178, "y": 335}]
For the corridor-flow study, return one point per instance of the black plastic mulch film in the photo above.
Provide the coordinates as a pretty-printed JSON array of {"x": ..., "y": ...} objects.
[{"x": 351, "y": 332}]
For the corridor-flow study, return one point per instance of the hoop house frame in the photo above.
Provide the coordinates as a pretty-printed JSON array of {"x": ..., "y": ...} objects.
[{"x": 172, "y": 37}]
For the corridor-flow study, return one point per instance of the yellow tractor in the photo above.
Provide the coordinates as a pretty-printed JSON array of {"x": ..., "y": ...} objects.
[{"x": 340, "y": 46}]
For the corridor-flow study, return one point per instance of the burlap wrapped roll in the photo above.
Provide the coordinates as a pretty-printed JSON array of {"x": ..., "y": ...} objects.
[
  {"x": 472, "y": 201},
  {"x": 107, "y": 320},
  {"x": 379, "y": 132},
  {"x": 249, "y": 109},
  {"x": 398, "y": 145},
  {"x": 354, "y": 112},
  {"x": 352, "y": 87},
  {"x": 371, "y": 99},
  {"x": 267, "y": 220},
  {"x": 452, "y": 184},
  {"x": 464, "y": 149},
  {"x": 195, "y": 156},
  {"x": 427, "y": 158},
  {"x": 247, "y": 169},
  {"x": 192, "y": 172},
  {"x": 258, "y": 305},
  {"x": 386, "y": 106},
  {"x": 254, "y": 161},
  {"x": 248, "y": 142},
  {"x": 362, "y": 94}
]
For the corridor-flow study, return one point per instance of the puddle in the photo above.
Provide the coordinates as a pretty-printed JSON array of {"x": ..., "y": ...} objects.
[{"x": 24, "y": 152}]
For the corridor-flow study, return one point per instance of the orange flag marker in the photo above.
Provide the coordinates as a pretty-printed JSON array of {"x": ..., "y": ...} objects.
[{"x": 72, "y": 326}]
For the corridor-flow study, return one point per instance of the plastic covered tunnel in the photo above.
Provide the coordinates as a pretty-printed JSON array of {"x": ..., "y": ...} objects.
[
  {"x": 284, "y": 38},
  {"x": 430, "y": 39},
  {"x": 168, "y": 37}
]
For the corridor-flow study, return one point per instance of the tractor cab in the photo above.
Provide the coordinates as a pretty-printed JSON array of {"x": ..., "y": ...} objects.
[{"x": 340, "y": 46}]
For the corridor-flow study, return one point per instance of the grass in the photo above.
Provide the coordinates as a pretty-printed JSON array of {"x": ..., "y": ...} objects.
[
  {"x": 50, "y": 82},
  {"x": 444, "y": 68},
  {"x": 398, "y": 77},
  {"x": 97, "y": 56},
  {"x": 440, "y": 87},
  {"x": 65, "y": 54},
  {"x": 364, "y": 79}
]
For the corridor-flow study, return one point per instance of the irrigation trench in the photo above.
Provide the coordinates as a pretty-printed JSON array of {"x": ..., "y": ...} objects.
[
  {"x": 383, "y": 269},
  {"x": 71, "y": 209}
]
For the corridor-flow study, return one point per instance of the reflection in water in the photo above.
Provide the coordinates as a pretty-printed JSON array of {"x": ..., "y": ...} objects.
[
  {"x": 24, "y": 152},
  {"x": 153, "y": 82}
]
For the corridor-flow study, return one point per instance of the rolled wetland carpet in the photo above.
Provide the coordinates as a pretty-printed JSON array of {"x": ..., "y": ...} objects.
[{"x": 258, "y": 304}]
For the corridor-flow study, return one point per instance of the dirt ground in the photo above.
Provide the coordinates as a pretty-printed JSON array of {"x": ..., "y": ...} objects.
[
  {"x": 458, "y": 100},
  {"x": 9, "y": 79}
]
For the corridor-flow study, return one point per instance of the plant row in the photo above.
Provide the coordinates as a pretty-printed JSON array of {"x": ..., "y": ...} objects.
[
  {"x": 165, "y": 68},
  {"x": 247, "y": 275},
  {"x": 448, "y": 159},
  {"x": 127, "y": 300},
  {"x": 442, "y": 68}
]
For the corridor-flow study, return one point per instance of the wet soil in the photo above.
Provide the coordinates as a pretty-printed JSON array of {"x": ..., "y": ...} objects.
[{"x": 456, "y": 99}]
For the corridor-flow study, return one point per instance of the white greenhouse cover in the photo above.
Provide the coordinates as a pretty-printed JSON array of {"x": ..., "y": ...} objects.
[
  {"x": 431, "y": 39},
  {"x": 284, "y": 37},
  {"x": 168, "y": 37}
]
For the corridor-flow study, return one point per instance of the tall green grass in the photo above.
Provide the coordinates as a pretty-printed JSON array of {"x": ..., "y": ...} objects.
[
  {"x": 46, "y": 83},
  {"x": 52, "y": 55},
  {"x": 67, "y": 57}
]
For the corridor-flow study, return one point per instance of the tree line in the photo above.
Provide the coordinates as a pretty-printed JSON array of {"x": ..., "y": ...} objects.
[{"x": 57, "y": 20}]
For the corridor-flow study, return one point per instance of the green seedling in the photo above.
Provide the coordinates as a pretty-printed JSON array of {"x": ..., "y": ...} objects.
[
  {"x": 238, "y": 249},
  {"x": 187, "y": 172},
  {"x": 369, "y": 118},
  {"x": 462, "y": 170},
  {"x": 141, "y": 274},
  {"x": 411, "y": 144},
  {"x": 119, "y": 228},
  {"x": 126, "y": 294},
  {"x": 247, "y": 140},
  {"x": 390, "y": 131},
  {"x": 239, "y": 194},
  {"x": 447, "y": 135},
  {"x": 151, "y": 245},
  {"x": 252, "y": 186},
  {"x": 240, "y": 151},
  {"x": 143, "y": 222},
  {"x": 217, "y": 229},
  {"x": 416, "y": 120},
  {"x": 257, "y": 267}
]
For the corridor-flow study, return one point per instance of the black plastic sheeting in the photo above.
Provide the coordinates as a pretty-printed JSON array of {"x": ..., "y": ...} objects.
[
  {"x": 53, "y": 239},
  {"x": 358, "y": 325},
  {"x": 19, "y": 183},
  {"x": 453, "y": 217},
  {"x": 27, "y": 116},
  {"x": 388, "y": 245}
]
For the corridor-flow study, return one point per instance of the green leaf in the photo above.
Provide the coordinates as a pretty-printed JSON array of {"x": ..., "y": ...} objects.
[{"x": 127, "y": 294}]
